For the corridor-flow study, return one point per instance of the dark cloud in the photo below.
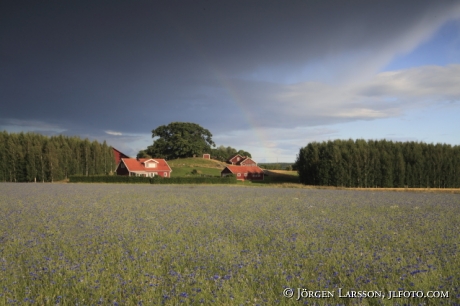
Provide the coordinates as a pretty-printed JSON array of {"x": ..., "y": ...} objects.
[{"x": 130, "y": 66}]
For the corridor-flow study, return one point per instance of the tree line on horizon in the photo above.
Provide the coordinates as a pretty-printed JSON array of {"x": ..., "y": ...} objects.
[
  {"x": 32, "y": 157},
  {"x": 379, "y": 163},
  {"x": 223, "y": 153}
]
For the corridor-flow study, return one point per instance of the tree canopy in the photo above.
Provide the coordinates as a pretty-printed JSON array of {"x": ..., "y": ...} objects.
[
  {"x": 180, "y": 140},
  {"x": 225, "y": 153}
]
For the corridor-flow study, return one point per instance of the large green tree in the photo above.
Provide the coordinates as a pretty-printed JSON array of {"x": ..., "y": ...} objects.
[{"x": 179, "y": 140}]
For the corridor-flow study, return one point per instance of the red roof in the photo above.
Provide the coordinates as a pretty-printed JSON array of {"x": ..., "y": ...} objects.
[
  {"x": 235, "y": 158},
  {"x": 139, "y": 165},
  {"x": 247, "y": 159},
  {"x": 244, "y": 169}
]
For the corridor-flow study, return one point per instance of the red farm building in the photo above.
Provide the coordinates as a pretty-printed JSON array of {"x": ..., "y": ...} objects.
[
  {"x": 118, "y": 155},
  {"x": 252, "y": 173},
  {"x": 241, "y": 161},
  {"x": 148, "y": 167}
]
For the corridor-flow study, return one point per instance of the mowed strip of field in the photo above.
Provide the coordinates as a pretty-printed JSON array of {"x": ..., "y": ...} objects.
[{"x": 87, "y": 244}]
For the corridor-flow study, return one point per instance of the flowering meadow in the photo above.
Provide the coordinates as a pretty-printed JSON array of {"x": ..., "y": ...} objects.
[{"x": 114, "y": 244}]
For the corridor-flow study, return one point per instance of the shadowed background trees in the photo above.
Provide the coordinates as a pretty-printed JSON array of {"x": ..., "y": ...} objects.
[
  {"x": 381, "y": 163},
  {"x": 186, "y": 139},
  {"x": 223, "y": 153},
  {"x": 30, "y": 157}
]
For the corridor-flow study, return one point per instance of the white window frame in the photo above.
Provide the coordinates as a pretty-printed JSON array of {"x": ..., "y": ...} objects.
[{"x": 150, "y": 165}]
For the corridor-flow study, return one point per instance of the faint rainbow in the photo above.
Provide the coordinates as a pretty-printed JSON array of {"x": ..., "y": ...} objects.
[{"x": 258, "y": 130}]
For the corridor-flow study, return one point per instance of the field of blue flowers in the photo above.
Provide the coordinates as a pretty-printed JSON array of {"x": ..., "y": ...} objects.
[{"x": 90, "y": 244}]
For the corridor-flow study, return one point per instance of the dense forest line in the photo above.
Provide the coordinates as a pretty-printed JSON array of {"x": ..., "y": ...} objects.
[
  {"x": 381, "y": 163},
  {"x": 30, "y": 157}
]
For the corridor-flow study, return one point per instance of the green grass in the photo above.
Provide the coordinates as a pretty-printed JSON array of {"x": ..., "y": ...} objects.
[
  {"x": 86, "y": 244},
  {"x": 279, "y": 177},
  {"x": 187, "y": 171},
  {"x": 185, "y": 166},
  {"x": 196, "y": 162}
]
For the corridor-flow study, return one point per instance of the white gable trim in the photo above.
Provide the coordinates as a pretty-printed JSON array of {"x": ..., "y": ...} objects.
[
  {"x": 122, "y": 161},
  {"x": 150, "y": 160}
]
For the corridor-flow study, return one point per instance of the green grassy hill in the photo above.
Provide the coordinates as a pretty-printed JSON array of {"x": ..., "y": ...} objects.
[{"x": 185, "y": 166}]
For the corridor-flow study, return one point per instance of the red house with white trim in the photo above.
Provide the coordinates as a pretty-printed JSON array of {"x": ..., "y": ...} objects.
[
  {"x": 253, "y": 173},
  {"x": 148, "y": 167}
]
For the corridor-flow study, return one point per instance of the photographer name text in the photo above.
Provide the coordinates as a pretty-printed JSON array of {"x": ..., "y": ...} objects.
[{"x": 303, "y": 293}]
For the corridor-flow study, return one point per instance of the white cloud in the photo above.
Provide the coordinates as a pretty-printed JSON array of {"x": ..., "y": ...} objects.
[
  {"x": 387, "y": 94},
  {"x": 290, "y": 116},
  {"x": 427, "y": 83},
  {"x": 114, "y": 133}
]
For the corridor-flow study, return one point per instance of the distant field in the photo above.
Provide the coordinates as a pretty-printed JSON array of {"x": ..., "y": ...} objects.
[
  {"x": 110, "y": 244},
  {"x": 283, "y": 172}
]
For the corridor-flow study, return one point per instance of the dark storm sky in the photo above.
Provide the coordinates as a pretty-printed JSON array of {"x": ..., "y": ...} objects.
[{"x": 249, "y": 71}]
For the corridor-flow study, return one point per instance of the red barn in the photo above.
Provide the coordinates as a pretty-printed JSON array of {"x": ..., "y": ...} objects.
[
  {"x": 148, "y": 167},
  {"x": 252, "y": 173},
  {"x": 118, "y": 155}
]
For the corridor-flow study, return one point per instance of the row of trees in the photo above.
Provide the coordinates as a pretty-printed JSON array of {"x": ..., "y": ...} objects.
[
  {"x": 225, "y": 153},
  {"x": 30, "y": 157},
  {"x": 382, "y": 163}
]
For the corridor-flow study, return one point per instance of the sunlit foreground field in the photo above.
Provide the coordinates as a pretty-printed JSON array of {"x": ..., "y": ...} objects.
[{"x": 91, "y": 244}]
